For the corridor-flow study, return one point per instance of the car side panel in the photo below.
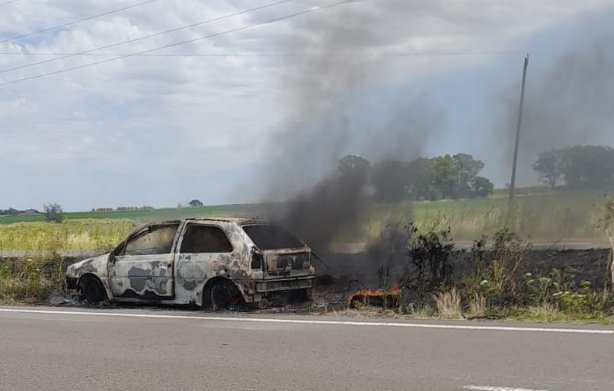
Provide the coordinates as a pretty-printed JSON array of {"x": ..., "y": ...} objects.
[{"x": 193, "y": 270}]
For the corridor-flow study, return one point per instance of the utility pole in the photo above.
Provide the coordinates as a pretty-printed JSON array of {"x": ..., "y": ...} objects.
[{"x": 518, "y": 126}]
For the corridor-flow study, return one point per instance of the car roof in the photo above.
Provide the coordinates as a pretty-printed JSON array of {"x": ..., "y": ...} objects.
[{"x": 236, "y": 220}]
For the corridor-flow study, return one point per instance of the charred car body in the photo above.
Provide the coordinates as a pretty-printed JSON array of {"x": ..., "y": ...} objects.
[{"x": 208, "y": 262}]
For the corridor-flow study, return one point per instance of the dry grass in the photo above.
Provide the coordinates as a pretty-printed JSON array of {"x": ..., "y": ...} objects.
[
  {"x": 69, "y": 235},
  {"x": 477, "y": 306},
  {"x": 29, "y": 280},
  {"x": 425, "y": 312},
  {"x": 449, "y": 304}
]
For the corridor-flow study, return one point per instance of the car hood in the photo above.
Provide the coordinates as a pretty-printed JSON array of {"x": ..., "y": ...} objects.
[{"x": 96, "y": 265}]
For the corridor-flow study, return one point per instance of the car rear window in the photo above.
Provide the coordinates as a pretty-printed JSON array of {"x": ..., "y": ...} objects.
[
  {"x": 271, "y": 237},
  {"x": 205, "y": 239}
]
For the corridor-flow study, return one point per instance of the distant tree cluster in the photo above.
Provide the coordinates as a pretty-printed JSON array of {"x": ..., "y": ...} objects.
[
  {"x": 577, "y": 167},
  {"x": 122, "y": 208},
  {"x": 442, "y": 177},
  {"x": 15, "y": 212},
  {"x": 53, "y": 213},
  {"x": 195, "y": 203}
]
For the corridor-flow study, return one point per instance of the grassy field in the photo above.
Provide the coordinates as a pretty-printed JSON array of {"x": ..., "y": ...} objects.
[
  {"x": 547, "y": 216},
  {"x": 139, "y": 215},
  {"x": 537, "y": 214},
  {"x": 89, "y": 234}
]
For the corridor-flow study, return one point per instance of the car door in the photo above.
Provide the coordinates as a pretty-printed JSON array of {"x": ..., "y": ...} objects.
[
  {"x": 204, "y": 249},
  {"x": 142, "y": 267}
]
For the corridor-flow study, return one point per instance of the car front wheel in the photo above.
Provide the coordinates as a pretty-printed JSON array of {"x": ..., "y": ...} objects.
[{"x": 92, "y": 290}]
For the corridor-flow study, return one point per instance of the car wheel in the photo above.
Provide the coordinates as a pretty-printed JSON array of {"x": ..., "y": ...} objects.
[
  {"x": 92, "y": 290},
  {"x": 225, "y": 296}
]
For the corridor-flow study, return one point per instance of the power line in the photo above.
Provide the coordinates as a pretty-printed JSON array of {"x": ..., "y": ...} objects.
[
  {"x": 113, "y": 11},
  {"x": 279, "y": 54},
  {"x": 147, "y": 36},
  {"x": 246, "y": 27}
]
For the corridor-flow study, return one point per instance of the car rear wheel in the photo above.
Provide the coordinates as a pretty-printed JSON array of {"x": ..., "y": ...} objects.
[
  {"x": 92, "y": 290},
  {"x": 225, "y": 295}
]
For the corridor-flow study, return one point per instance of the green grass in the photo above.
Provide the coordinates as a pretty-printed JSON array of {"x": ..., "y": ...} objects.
[
  {"x": 70, "y": 235},
  {"x": 96, "y": 230},
  {"x": 540, "y": 215},
  {"x": 536, "y": 212},
  {"x": 154, "y": 214},
  {"x": 548, "y": 314},
  {"x": 25, "y": 281}
]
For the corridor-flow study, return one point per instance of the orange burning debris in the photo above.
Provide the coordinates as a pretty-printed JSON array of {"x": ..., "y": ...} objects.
[{"x": 379, "y": 297}]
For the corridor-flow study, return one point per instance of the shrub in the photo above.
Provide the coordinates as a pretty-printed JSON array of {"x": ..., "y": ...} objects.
[
  {"x": 494, "y": 272},
  {"x": 53, "y": 213},
  {"x": 430, "y": 254}
]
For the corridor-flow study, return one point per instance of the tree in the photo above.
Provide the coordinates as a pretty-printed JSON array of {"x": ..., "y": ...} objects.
[
  {"x": 481, "y": 187},
  {"x": 467, "y": 169},
  {"x": 354, "y": 167},
  {"x": 53, "y": 213},
  {"x": 9, "y": 212},
  {"x": 420, "y": 179},
  {"x": 450, "y": 177},
  {"x": 195, "y": 203},
  {"x": 588, "y": 167},
  {"x": 549, "y": 165},
  {"x": 445, "y": 177},
  {"x": 580, "y": 166},
  {"x": 389, "y": 179}
]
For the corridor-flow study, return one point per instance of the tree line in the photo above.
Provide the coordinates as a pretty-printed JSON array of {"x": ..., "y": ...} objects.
[
  {"x": 15, "y": 212},
  {"x": 441, "y": 177},
  {"x": 589, "y": 166}
]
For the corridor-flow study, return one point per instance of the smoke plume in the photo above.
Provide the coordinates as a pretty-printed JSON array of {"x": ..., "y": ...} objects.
[{"x": 329, "y": 81}]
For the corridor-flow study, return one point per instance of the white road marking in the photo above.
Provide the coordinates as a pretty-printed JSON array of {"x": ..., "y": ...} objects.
[
  {"x": 491, "y": 388},
  {"x": 315, "y": 322}
]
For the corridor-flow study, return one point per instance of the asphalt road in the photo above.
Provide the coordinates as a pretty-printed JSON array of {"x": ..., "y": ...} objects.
[{"x": 131, "y": 349}]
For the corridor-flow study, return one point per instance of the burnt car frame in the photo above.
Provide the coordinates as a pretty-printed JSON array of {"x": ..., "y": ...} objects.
[{"x": 213, "y": 263}]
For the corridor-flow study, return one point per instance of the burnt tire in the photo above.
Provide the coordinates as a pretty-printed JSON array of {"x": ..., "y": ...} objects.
[
  {"x": 224, "y": 295},
  {"x": 92, "y": 290}
]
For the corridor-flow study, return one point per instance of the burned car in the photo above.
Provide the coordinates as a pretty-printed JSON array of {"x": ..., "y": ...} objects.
[{"x": 213, "y": 263}]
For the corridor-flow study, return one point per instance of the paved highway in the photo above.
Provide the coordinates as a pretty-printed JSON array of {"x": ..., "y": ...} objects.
[{"x": 142, "y": 349}]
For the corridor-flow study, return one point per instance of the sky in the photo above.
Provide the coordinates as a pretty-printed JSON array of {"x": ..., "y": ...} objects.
[{"x": 261, "y": 102}]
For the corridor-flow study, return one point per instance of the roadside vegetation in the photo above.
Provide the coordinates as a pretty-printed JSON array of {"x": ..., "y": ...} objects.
[
  {"x": 494, "y": 281},
  {"x": 30, "y": 279},
  {"x": 35, "y": 276}
]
